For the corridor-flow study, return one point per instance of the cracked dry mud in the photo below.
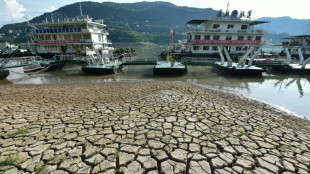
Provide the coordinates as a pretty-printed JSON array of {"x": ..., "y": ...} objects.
[{"x": 145, "y": 127}]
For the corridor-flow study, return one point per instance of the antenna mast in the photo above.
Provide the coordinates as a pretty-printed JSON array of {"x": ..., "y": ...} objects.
[
  {"x": 81, "y": 10},
  {"x": 228, "y": 5}
]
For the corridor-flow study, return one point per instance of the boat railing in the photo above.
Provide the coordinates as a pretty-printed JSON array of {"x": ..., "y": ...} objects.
[
  {"x": 270, "y": 60},
  {"x": 63, "y": 57},
  {"x": 231, "y": 31},
  {"x": 140, "y": 59},
  {"x": 198, "y": 60}
]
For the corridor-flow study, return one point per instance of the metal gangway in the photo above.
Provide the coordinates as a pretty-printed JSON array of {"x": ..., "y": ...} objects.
[
  {"x": 6, "y": 60},
  {"x": 4, "y": 49}
]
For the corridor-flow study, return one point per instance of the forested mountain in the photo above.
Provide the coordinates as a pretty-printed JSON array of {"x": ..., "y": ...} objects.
[
  {"x": 142, "y": 21},
  {"x": 288, "y": 25}
]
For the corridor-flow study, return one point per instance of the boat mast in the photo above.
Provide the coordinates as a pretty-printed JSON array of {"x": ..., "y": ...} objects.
[{"x": 81, "y": 10}]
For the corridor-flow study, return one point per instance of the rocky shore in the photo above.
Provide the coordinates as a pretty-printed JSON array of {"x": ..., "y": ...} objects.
[{"x": 145, "y": 127}]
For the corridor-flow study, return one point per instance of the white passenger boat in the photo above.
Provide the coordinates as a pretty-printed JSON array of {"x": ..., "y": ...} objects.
[
  {"x": 236, "y": 32},
  {"x": 58, "y": 35}
]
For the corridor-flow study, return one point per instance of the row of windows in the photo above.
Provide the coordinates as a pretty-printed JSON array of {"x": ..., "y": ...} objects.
[
  {"x": 214, "y": 48},
  {"x": 217, "y": 37},
  {"x": 216, "y": 26},
  {"x": 64, "y": 37}
]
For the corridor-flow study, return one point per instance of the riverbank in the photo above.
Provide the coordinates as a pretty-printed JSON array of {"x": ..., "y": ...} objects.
[{"x": 145, "y": 127}]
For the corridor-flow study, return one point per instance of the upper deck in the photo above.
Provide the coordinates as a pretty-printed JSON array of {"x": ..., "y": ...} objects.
[
  {"x": 226, "y": 25},
  {"x": 80, "y": 24}
]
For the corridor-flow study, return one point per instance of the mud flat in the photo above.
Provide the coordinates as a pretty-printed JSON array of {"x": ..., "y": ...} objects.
[{"x": 145, "y": 127}]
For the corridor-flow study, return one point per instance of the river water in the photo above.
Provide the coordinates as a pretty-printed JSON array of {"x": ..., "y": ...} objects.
[{"x": 287, "y": 92}]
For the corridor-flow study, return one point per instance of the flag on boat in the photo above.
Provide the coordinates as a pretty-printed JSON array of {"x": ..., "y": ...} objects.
[
  {"x": 173, "y": 33},
  {"x": 31, "y": 39}
]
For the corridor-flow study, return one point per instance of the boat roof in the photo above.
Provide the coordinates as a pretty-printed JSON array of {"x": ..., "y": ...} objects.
[{"x": 200, "y": 21}]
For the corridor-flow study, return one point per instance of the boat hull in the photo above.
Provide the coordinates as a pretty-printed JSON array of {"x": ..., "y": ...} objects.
[
  {"x": 4, "y": 73},
  {"x": 169, "y": 68},
  {"x": 179, "y": 56},
  {"x": 291, "y": 70},
  {"x": 241, "y": 71},
  {"x": 100, "y": 70},
  {"x": 43, "y": 67},
  {"x": 17, "y": 55},
  {"x": 169, "y": 71}
]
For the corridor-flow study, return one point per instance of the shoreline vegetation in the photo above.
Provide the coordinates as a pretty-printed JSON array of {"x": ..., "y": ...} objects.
[{"x": 146, "y": 127}]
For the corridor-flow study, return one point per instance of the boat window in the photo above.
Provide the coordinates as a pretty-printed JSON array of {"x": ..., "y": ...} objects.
[
  {"x": 86, "y": 36},
  {"x": 228, "y": 37},
  {"x": 238, "y": 48},
  {"x": 189, "y": 37},
  {"x": 205, "y": 47},
  {"x": 196, "y": 48},
  {"x": 230, "y": 26},
  {"x": 54, "y": 37},
  {"x": 197, "y": 37},
  {"x": 214, "y": 48},
  {"x": 76, "y": 36},
  {"x": 249, "y": 37},
  {"x": 207, "y": 37},
  {"x": 216, "y": 37},
  {"x": 99, "y": 37},
  {"x": 215, "y": 26},
  {"x": 258, "y": 38},
  {"x": 244, "y": 27},
  {"x": 41, "y": 38},
  {"x": 240, "y": 37},
  {"x": 67, "y": 37}
]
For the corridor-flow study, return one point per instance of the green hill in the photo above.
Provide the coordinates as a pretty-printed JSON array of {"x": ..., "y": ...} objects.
[
  {"x": 127, "y": 22},
  {"x": 147, "y": 21}
]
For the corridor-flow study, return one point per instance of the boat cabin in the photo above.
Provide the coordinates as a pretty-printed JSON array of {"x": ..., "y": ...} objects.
[{"x": 70, "y": 35}]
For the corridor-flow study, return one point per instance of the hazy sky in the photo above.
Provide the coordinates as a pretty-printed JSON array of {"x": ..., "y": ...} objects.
[{"x": 14, "y": 10}]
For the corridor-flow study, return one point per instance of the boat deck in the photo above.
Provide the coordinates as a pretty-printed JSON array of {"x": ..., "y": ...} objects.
[
  {"x": 166, "y": 67},
  {"x": 107, "y": 68},
  {"x": 238, "y": 69}
]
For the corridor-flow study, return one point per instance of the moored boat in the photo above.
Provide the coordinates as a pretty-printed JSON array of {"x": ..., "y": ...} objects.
[
  {"x": 235, "y": 32},
  {"x": 107, "y": 68},
  {"x": 240, "y": 68},
  {"x": 169, "y": 67},
  {"x": 102, "y": 64},
  {"x": 58, "y": 35}
]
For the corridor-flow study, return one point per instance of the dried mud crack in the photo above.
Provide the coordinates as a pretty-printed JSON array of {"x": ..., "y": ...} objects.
[{"x": 145, "y": 127}]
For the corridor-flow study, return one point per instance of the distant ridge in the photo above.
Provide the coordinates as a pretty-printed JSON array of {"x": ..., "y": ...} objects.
[
  {"x": 147, "y": 21},
  {"x": 288, "y": 25}
]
